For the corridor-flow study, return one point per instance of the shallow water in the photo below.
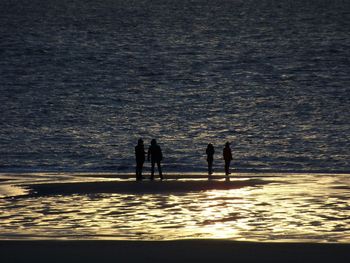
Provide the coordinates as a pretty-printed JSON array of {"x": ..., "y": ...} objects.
[{"x": 293, "y": 207}]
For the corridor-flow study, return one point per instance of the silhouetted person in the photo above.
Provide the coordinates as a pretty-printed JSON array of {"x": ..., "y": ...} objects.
[
  {"x": 210, "y": 158},
  {"x": 227, "y": 157},
  {"x": 156, "y": 156},
  {"x": 140, "y": 158}
]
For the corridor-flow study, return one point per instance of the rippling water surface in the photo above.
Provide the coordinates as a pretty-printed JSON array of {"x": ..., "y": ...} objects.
[
  {"x": 82, "y": 80},
  {"x": 291, "y": 207}
]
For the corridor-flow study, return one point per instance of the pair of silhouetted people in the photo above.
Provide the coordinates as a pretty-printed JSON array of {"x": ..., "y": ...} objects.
[
  {"x": 154, "y": 155},
  {"x": 227, "y": 154}
]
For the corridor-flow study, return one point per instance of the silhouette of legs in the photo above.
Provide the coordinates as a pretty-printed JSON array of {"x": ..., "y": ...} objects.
[
  {"x": 152, "y": 170},
  {"x": 227, "y": 167},
  {"x": 139, "y": 166},
  {"x": 210, "y": 167},
  {"x": 159, "y": 169}
]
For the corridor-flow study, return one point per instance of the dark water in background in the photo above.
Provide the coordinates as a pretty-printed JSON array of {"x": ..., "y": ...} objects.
[{"x": 81, "y": 81}]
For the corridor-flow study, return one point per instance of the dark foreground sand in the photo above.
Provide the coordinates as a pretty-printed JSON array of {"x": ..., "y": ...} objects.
[
  {"x": 170, "y": 251},
  {"x": 137, "y": 187}
]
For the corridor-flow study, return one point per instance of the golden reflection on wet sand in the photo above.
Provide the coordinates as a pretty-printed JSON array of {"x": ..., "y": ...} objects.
[{"x": 312, "y": 208}]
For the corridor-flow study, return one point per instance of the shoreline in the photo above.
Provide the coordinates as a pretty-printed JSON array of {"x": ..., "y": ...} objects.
[
  {"x": 170, "y": 251},
  {"x": 171, "y": 172},
  {"x": 41, "y": 184}
]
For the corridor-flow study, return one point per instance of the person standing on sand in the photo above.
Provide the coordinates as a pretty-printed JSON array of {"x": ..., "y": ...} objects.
[
  {"x": 140, "y": 159},
  {"x": 227, "y": 157},
  {"x": 210, "y": 158},
  {"x": 156, "y": 156}
]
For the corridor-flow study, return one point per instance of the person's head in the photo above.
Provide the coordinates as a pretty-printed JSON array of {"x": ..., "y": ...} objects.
[
  {"x": 227, "y": 144},
  {"x": 153, "y": 142},
  {"x": 140, "y": 141},
  {"x": 210, "y": 145}
]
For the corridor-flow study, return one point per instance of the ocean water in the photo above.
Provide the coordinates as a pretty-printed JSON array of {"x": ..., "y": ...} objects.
[
  {"x": 310, "y": 208},
  {"x": 82, "y": 80}
]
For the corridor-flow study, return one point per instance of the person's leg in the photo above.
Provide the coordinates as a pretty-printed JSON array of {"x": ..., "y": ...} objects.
[
  {"x": 140, "y": 171},
  {"x": 137, "y": 171},
  {"x": 160, "y": 170},
  {"x": 227, "y": 167},
  {"x": 210, "y": 167},
  {"x": 152, "y": 170}
]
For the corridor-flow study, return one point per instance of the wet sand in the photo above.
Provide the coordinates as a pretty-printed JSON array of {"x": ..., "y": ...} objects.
[
  {"x": 138, "y": 187},
  {"x": 286, "y": 208},
  {"x": 170, "y": 251}
]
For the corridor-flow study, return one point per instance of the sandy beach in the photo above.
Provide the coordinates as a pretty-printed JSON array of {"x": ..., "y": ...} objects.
[
  {"x": 139, "y": 187},
  {"x": 310, "y": 208},
  {"x": 170, "y": 251}
]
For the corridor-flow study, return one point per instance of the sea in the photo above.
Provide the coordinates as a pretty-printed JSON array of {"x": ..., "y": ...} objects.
[{"x": 82, "y": 80}]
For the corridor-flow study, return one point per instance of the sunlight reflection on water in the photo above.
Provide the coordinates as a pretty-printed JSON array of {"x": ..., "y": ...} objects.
[{"x": 312, "y": 208}]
